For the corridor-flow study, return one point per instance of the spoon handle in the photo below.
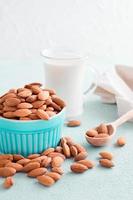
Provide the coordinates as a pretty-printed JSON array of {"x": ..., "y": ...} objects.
[{"x": 123, "y": 118}]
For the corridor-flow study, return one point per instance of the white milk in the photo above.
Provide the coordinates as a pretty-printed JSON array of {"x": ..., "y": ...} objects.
[{"x": 66, "y": 75}]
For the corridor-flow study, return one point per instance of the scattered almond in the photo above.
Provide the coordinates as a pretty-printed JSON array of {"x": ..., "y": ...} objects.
[
  {"x": 53, "y": 175},
  {"x": 106, "y": 163},
  {"x": 121, "y": 141},
  {"x": 73, "y": 123},
  {"x": 37, "y": 172},
  {"x": 57, "y": 161},
  {"x": 8, "y": 182},
  {"x": 88, "y": 163},
  {"x": 45, "y": 180},
  {"x": 81, "y": 156},
  {"x": 78, "y": 168},
  {"x": 106, "y": 155},
  {"x": 31, "y": 166}
]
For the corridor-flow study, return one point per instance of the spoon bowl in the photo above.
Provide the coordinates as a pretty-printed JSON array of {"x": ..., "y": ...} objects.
[
  {"x": 101, "y": 141},
  {"x": 112, "y": 127}
]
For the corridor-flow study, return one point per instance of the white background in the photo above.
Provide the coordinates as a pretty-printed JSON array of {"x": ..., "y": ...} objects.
[{"x": 101, "y": 27}]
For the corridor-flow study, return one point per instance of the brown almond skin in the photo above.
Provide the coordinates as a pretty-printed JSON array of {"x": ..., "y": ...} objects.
[
  {"x": 78, "y": 168},
  {"x": 32, "y": 156},
  {"x": 4, "y": 162},
  {"x": 66, "y": 150},
  {"x": 12, "y": 101},
  {"x": 43, "y": 95},
  {"x": 74, "y": 151},
  {"x": 73, "y": 123},
  {"x": 8, "y": 114},
  {"x": 54, "y": 175},
  {"x": 37, "y": 104},
  {"x": 16, "y": 166},
  {"x": 31, "y": 166},
  {"x": 8, "y": 182},
  {"x": 59, "y": 149},
  {"x": 6, "y": 156},
  {"x": 121, "y": 141},
  {"x": 7, "y": 171},
  {"x": 17, "y": 157},
  {"x": 47, "y": 151},
  {"x": 80, "y": 148},
  {"x": 91, "y": 133},
  {"x": 23, "y": 161},
  {"x": 22, "y": 112},
  {"x": 51, "y": 91},
  {"x": 106, "y": 155},
  {"x": 81, "y": 156},
  {"x": 31, "y": 98},
  {"x": 106, "y": 163},
  {"x": 54, "y": 154},
  {"x": 25, "y": 93},
  {"x": 46, "y": 162},
  {"x": 88, "y": 163},
  {"x": 58, "y": 170},
  {"x": 45, "y": 180},
  {"x": 36, "y": 89},
  {"x": 57, "y": 161},
  {"x": 69, "y": 141},
  {"x": 37, "y": 172},
  {"x": 58, "y": 101},
  {"x": 25, "y": 105},
  {"x": 42, "y": 114},
  {"x": 102, "y": 128}
]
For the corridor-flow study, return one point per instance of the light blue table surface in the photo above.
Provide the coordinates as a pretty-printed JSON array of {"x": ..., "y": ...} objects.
[{"x": 96, "y": 184}]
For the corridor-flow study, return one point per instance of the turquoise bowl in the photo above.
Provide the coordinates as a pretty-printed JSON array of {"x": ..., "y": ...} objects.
[{"x": 28, "y": 137}]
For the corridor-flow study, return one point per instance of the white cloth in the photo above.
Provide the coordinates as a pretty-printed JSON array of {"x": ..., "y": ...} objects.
[{"x": 116, "y": 86}]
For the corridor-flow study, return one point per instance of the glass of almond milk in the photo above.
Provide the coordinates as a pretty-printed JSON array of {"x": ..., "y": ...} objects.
[{"x": 65, "y": 72}]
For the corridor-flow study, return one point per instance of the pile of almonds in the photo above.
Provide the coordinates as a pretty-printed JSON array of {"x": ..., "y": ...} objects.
[
  {"x": 30, "y": 103},
  {"x": 45, "y": 167},
  {"x": 99, "y": 132}
]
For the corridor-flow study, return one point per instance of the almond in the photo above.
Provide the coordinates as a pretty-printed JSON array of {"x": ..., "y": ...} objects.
[
  {"x": 32, "y": 156},
  {"x": 4, "y": 162},
  {"x": 25, "y": 93},
  {"x": 6, "y": 156},
  {"x": 46, "y": 162},
  {"x": 57, "y": 161},
  {"x": 8, "y": 114},
  {"x": 45, "y": 180},
  {"x": 31, "y": 84},
  {"x": 31, "y": 98},
  {"x": 58, "y": 170},
  {"x": 102, "y": 128},
  {"x": 7, "y": 171},
  {"x": 36, "y": 89},
  {"x": 78, "y": 168},
  {"x": 30, "y": 166},
  {"x": 42, "y": 114},
  {"x": 58, "y": 101},
  {"x": 51, "y": 91},
  {"x": 59, "y": 149},
  {"x": 9, "y": 108},
  {"x": 54, "y": 154},
  {"x": 66, "y": 150},
  {"x": 69, "y": 141},
  {"x": 47, "y": 151},
  {"x": 38, "y": 104},
  {"x": 106, "y": 155},
  {"x": 33, "y": 116},
  {"x": 43, "y": 107},
  {"x": 12, "y": 101},
  {"x": 101, "y": 135},
  {"x": 37, "y": 172},
  {"x": 74, "y": 151},
  {"x": 91, "y": 133},
  {"x": 50, "y": 113},
  {"x": 22, "y": 112},
  {"x": 88, "y": 163},
  {"x": 23, "y": 161},
  {"x": 80, "y": 148},
  {"x": 55, "y": 106},
  {"x": 73, "y": 123},
  {"x": 49, "y": 109},
  {"x": 81, "y": 156},
  {"x": 8, "y": 182},
  {"x": 54, "y": 175},
  {"x": 25, "y": 118},
  {"x": 25, "y": 105},
  {"x": 106, "y": 163},
  {"x": 16, "y": 166},
  {"x": 43, "y": 95},
  {"x": 121, "y": 141},
  {"x": 17, "y": 157}
]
